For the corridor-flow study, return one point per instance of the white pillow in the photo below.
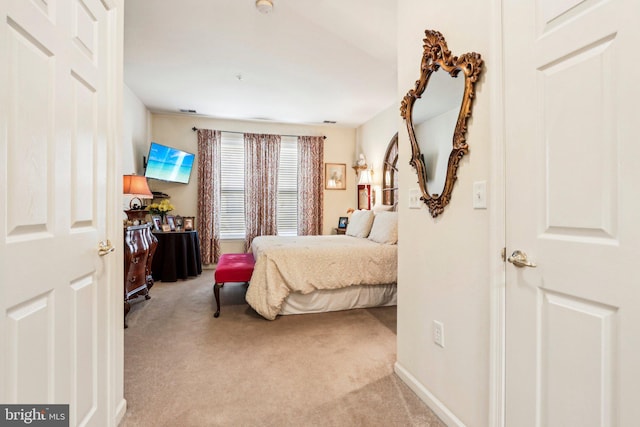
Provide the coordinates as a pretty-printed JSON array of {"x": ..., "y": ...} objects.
[
  {"x": 385, "y": 228},
  {"x": 382, "y": 208},
  {"x": 360, "y": 223}
]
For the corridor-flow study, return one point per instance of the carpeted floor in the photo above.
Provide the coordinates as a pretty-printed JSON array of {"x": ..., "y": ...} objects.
[{"x": 185, "y": 368}]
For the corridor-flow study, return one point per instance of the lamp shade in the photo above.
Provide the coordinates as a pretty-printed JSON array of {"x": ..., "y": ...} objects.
[
  {"x": 136, "y": 186},
  {"x": 365, "y": 177}
]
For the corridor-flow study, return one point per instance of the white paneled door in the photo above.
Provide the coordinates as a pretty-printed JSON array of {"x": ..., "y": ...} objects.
[
  {"x": 56, "y": 112},
  {"x": 573, "y": 203}
]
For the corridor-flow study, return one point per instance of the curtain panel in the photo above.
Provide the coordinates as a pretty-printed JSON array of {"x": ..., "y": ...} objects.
[
  {"x": 262, "y": 153},
  {"x": 310, "y": 185},
  {"x": 209, "y": 194}
]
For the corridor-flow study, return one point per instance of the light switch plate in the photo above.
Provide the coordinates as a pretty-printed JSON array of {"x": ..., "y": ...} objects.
[
  {"x": 414, "y": 198},
  {"x": 480, "y": 195}
]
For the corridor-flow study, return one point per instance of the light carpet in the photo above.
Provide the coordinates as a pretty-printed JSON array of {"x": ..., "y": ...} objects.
[{"x": 185, "y": 368}]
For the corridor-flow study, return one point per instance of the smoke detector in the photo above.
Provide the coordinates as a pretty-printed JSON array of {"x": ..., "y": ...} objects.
[{"x": 264, "y": 6}]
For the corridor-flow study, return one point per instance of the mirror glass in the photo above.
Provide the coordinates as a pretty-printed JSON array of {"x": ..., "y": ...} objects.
[
  {"x": 436, "y": 111},
  {"x": 435, "y": 115}
]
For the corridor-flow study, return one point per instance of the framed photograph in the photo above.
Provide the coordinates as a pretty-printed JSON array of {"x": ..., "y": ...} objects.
[
  {"x": 171, "y": 220},
  {"x": 187, "y": 222},
  {"x": 335, "y": 176},
  {"x": 166, "y": 227},
  {"x": 157, "y": 222},
  {"x": 178, "y": 221},
  {"x": 343, "y": 221}
]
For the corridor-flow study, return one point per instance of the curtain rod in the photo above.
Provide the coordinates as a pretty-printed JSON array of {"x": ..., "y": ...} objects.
[{"x": 233, "y": 131}]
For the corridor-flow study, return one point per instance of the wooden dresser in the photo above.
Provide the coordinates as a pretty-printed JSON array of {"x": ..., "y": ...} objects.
[{"x": 139, "y": 246}]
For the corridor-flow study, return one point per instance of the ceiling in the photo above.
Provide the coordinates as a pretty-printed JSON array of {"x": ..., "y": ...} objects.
[{"x": 305, "y": 62}]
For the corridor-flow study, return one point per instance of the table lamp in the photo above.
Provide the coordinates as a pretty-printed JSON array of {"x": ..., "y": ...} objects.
[{"x": 136, "y": 186}]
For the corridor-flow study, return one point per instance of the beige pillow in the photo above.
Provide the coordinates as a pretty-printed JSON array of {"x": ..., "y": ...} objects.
[
  {"x": 360, "y": 223},
  {"x": 385, "y": 228}
]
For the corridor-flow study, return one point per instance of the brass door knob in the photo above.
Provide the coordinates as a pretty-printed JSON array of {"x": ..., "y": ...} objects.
[
  {"x": 105, "y": 248},
  {"x": 520, "y": 260}
]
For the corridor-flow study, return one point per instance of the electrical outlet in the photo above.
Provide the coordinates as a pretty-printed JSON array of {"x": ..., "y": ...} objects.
[{"x": 438, "y": 333}]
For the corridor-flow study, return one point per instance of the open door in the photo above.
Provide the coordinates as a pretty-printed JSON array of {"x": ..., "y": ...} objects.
[
  {"x": 59, "y": 61},
  {"x": 572, "y": 203}
]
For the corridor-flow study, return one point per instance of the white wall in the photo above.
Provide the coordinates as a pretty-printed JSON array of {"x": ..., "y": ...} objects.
[
  {"x": 135, "y": 136},
  {"x": 176, "y": 131},
  {"x": 136, "y": 119},
  {"x": 373, "y": 137},
  {"x": 444, "y": 263}
]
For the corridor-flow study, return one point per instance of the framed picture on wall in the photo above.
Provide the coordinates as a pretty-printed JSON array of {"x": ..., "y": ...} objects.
[{"x": 335, "y": 176}]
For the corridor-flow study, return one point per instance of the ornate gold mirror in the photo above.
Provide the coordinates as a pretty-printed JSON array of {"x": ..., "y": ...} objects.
[{"x": 436, "y": 113}]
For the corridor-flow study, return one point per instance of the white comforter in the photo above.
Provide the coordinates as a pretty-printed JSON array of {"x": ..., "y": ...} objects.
[{"x": 306, "y": 263}]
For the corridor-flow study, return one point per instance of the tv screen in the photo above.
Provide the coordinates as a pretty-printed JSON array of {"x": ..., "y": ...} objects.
[{"x": 169, "y": 164}]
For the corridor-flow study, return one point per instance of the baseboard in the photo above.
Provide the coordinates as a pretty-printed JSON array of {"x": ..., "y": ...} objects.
[
  {"x": 121, "y": 409},
  {"x": 427, "y": 397}
]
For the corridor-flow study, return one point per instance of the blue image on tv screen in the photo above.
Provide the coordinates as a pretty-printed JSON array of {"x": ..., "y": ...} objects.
[{"x": 169, "y": 164}]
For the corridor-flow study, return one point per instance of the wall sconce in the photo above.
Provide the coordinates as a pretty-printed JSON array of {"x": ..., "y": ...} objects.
[
  {"x": 360, "y": 165},
  {"x": 136, "y": 186}
]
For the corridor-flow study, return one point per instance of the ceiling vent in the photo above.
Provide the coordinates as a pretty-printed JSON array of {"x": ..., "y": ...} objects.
[
  {"x": 329, "y": 122},
  {"x": 183, "y": 110}
]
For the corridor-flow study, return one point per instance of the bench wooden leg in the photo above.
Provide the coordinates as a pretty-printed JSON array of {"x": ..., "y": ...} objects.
[{"x": 216, "y": 292}]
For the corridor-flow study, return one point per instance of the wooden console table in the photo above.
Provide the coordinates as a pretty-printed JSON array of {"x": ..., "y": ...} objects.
[{"x": 177, "y": 256}]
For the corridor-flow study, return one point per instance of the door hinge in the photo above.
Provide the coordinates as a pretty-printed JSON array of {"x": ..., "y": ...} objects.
[{"x": 503, "y": 253}]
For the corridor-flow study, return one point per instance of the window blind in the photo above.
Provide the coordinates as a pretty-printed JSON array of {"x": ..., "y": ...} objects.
[
  {"x": 288, "y": 187},
  {"x": 232, "y": 224}
]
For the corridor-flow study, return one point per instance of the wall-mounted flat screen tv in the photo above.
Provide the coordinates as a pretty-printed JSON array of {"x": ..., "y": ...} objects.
[{"x": 168, "y": 164}]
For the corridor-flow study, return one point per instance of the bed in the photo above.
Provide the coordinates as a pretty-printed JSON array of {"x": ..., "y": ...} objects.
[{"x": 310, "y": 274}]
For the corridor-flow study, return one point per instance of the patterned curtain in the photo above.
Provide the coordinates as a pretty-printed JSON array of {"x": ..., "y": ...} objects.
[
  {"x": 209, "y": 194},
  {"x": 262, "y": 153},
  {"x": 310, "y": 185}
]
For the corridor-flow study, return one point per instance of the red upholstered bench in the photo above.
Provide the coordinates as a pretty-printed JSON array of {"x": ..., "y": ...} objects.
[{"x": 231, "y": 268}]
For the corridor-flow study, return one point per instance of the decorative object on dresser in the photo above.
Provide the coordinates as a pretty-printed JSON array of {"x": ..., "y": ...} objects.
[
  {"x": 189, "y": 223},
  {"x": 137, "y": 188},
  {"x": 171, "y": 220},
  {"x": 157, "y": 222},
  {"x": 343, "y": 221},
  {"x": 162, "y": 208},
  {"x": 139, "y": 247}
]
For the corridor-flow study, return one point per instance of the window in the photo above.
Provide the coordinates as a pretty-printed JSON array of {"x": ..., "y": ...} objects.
[
  {"x": 232, "y": 224},
  {"x": 232, "y": 186},
  {"x": 288, "y": 187}
]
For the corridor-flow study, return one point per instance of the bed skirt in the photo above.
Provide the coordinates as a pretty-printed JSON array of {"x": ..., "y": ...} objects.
[{"x": 323, "y": 300}]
